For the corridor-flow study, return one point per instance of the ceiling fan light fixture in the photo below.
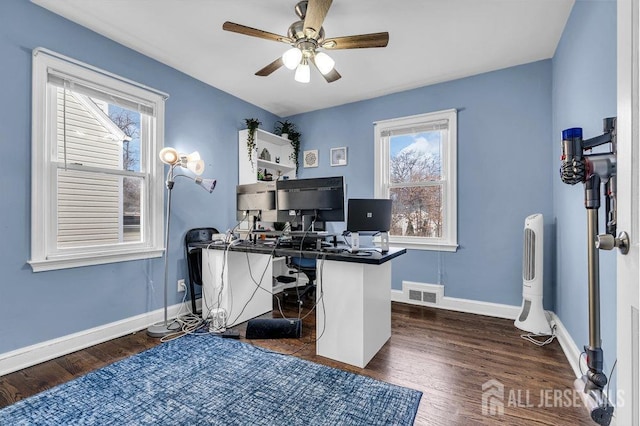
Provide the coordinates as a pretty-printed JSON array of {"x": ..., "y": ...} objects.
[
  {"x": 305, "y": 36},
  {"x": 303, "y": 73},
  {"x": 291, "y": 58},
  {"x": 324, "y": 62}
]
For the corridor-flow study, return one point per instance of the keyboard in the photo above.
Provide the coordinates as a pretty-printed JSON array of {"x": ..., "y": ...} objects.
[{"x": 309, "y": 234}]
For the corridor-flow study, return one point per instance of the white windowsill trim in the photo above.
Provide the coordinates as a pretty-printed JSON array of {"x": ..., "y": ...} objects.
[
  {"x": 426, "y": 246},
  {"x": 76, "y": 261}
]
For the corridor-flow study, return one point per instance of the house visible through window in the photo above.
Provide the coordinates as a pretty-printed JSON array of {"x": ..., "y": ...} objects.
[
  {"x": 416, "y": 169},
  {"x": 97, "y": 187}
]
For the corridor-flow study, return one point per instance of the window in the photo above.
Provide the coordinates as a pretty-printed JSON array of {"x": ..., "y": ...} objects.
[
  {"x": 416, "y": 167},
  {"x": 97, "y": 189}
]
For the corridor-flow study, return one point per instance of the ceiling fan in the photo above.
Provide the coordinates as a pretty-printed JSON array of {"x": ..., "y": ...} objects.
[{"x": 306, "y": 37}]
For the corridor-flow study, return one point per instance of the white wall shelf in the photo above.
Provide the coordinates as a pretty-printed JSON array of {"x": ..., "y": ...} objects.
[
  {"x": 277, "y": 146},
  {"x": 270, "y": 165}
]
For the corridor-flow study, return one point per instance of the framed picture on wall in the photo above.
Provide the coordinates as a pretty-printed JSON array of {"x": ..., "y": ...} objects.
[
  {"x": 310, "y": 158},
  {"x": 339, "y": 156}
]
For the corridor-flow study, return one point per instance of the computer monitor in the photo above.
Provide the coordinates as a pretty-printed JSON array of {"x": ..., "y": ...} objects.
[
  {"x": 322, "y": 199},
  {"x": 257, "y": 200},
  {"x": 368, "y": 216}
]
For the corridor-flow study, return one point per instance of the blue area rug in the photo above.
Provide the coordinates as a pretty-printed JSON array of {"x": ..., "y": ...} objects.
[{"x": 205, "y": 379}]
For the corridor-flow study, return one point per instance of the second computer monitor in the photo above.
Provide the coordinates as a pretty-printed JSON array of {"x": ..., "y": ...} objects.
[
  {"x": 368, "y": 215},
  {"x": 257, "y": 199},
  {"x": 321, "y": 198}
]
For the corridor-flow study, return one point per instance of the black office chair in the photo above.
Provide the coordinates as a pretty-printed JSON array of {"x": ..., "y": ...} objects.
[
  {"x": 193, "y": 257},
  {"x": 308, "y": 267}
]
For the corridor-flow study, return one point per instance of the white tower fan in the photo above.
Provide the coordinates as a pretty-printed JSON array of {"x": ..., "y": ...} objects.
[{"x": 532, "y": 317}]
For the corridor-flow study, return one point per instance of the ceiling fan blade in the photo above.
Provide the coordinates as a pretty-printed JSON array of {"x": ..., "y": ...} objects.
[
  {"x": 331, "y": 76},
  {"x": 253, "y": 32},
  {"x": 316, "y": 12},
  {"x": 270, "y": 68},
  {"x": 357, "y": 41}
]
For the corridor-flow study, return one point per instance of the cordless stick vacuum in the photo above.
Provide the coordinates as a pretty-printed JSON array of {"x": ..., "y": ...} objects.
[{"x": 594, "y": 170}]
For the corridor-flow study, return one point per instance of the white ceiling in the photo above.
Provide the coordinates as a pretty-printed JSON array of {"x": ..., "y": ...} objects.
[{"x": 430, "y": 41}]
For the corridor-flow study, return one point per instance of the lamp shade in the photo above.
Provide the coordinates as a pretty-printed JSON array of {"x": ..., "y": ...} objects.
[
  {"x": 169, "y": 155},
  {"x": 193, "y": 162},
  {"x": 194, "y": 156},
  {"x": 303, "y": 73},
  {"x": 324, "y": 62},
  {"x": 291, "y": 58},
  {"x": 197, "y": 167},
  {"x": 208, "y": 184}
]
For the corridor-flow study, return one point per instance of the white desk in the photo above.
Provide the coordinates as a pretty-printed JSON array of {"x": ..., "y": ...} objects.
[
  {"x": 357, "y": 304},
  {"x": 232, "y": 284},
  {"x": 353, "y": 316}
]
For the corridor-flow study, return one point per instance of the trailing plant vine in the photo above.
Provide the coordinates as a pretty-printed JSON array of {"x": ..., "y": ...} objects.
[
  {"x": 294, "y": 137},
  {"x": 252, "y": 125}
]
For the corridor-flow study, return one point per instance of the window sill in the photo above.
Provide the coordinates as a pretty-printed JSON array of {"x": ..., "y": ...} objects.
[
  {"x": 76, "y": 261},
  {"x": 447, "y": 247}
]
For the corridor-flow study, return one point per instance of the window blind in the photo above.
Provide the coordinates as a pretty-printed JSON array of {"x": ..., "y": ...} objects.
[
  {"x": 427, "y": 127},
  {"x": 59, "y": 79}
]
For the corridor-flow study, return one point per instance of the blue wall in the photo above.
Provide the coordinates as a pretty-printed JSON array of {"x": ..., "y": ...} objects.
[
  {"x": 36, "y": 307},
  {"x": 584, "y": 92},
  {"x": 504, "y": 173}
]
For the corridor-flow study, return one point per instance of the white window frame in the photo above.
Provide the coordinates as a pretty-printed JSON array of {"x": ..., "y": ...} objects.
[
  {"x": 45, "y": 255},
  {"x": 449, "y": 240}
]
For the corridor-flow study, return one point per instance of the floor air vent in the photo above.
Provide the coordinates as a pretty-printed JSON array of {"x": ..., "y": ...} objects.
[
  {"x": 415, "y": 295},
  {"x": 430, "y": 297},
  {"x": 423, "y": 293}
]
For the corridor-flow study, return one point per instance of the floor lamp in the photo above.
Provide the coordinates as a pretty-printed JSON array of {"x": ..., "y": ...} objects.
[{"x": 193, "y": 163}]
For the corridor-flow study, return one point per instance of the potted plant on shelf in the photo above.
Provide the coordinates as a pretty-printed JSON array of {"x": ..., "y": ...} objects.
[
  {"x": 288, "y": 130},
  {"x": 252, "y": 125},
  {"x": 284, "y": 128}
]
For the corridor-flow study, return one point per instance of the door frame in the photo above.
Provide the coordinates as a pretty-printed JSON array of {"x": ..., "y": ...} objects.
[{"x": 628, "y": 182}]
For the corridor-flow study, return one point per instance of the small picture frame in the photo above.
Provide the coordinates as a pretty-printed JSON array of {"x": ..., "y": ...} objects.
[
  {"x": 310, "y": 158},
  {"x": 339, "y": 156}
]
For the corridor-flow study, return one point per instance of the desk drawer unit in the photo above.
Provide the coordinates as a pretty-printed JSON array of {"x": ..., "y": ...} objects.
[{"x": 356, "y": 320}]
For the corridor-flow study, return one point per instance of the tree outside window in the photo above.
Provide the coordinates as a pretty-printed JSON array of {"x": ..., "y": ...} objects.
[
  {"x": 129, "y": 122},
  {"x": 415, "y": 168}
]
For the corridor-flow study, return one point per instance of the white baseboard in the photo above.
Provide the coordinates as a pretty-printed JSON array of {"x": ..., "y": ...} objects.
[
  {"x": 573, "y": 354},
  {"x": 45, "y": 351},
  {"x": 569, "y": 347},
  {"x": 497, "y": 310}
]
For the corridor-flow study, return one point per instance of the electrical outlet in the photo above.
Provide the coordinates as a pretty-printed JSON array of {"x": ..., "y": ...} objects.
[{"x": 181, "y": 286}]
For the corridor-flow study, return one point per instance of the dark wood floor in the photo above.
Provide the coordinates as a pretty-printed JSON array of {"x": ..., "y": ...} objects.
[{"x": 446, "y": 355}]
